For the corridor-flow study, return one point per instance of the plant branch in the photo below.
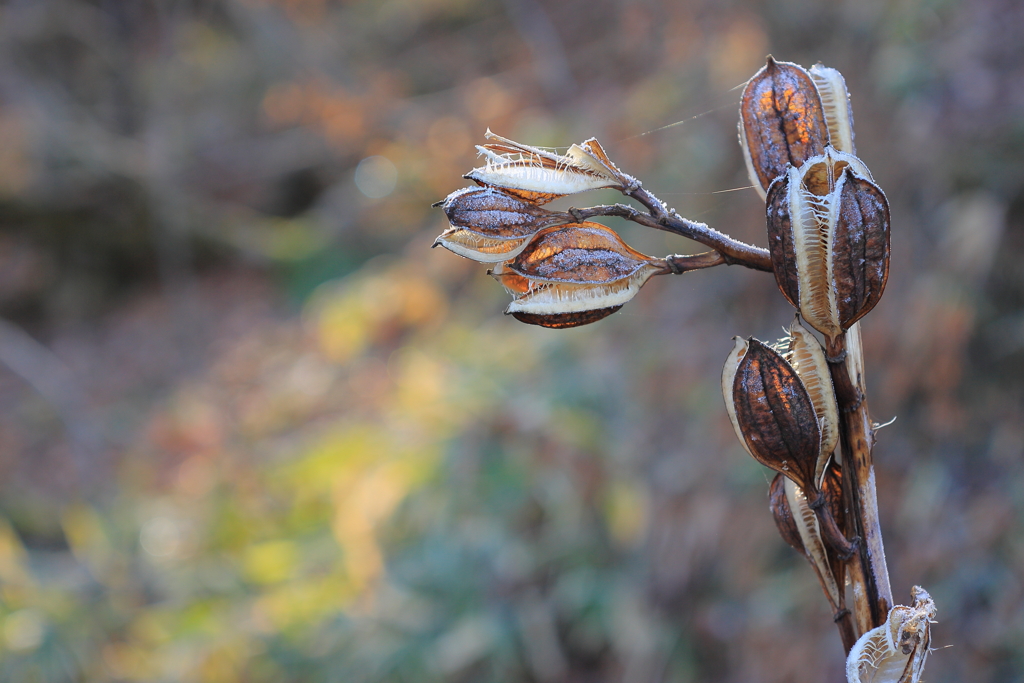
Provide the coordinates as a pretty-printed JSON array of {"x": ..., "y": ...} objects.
[
  {"x": 869, "y": 576},
  {"x": 660, "y": 217}
]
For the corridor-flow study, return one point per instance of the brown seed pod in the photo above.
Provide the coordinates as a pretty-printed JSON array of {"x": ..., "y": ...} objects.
[
  {"x": 782, "y": 122},
  {"x": 828, "y": 235},
  {"x": 489, "y": 225},
  {"x": 783, "y": 515},
  {"x": 772, "y": 412},
  {"x": 575, "y": 274},
  {"x": 539, "y": 175}
]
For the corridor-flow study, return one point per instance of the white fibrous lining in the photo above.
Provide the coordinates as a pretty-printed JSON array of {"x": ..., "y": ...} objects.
[
  {"x": 810, "y": 535},
  {"x": 809, "y": 362},
  {"x": 836, "y": 104},
  {"x": 528, "y": 175},
  {"x": 810, "y": 241},
  {"x": 473, "y": 246},
  {"x": 548, "y": 298}
]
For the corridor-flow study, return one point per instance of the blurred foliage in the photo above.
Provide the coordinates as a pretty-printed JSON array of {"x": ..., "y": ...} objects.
[{"x": 253, "y": 429}]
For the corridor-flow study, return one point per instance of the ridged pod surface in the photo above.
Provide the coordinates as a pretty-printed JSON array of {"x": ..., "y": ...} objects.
[
  {"x": 782, "y": 122},
  {"x": 828, "y": 235},
  {"x": 772, "y": 412},
  {"x": 489, "y": 225}
]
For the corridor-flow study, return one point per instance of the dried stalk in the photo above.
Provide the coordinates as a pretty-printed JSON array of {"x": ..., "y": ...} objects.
[{"x": 869, "y": 576}]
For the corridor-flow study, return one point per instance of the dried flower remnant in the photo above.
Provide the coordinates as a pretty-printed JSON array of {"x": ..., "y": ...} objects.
[
  {"x": 573, "y": 275},
  {"x": 828, "y": 234},
  {"x": 895, "y": 652},
  {"x": 782, "y": 122},
  {"x": 539, "y": 175},
  {"x": 489, "y": 225}
]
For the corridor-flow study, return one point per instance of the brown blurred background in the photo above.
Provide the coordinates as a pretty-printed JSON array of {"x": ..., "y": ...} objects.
[{"x": 253, "y": 429}]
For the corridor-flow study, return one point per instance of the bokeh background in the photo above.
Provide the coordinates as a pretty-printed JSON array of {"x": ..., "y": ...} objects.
[{"x": 253, "y": 429}]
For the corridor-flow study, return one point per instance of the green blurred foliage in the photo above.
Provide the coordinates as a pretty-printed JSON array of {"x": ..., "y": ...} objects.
[{"x": 253, "y": 429}]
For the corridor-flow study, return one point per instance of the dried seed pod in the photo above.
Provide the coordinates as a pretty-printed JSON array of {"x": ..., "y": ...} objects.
[
  {"x": 489, "y": 225},
  {"x": 895, "y": 652},
  {"x": 771, "y": 411},
  {"x": 575, "y": 274},
  {"x": 813, "y": 547},
  {"x": 538, "y": 175},
  {"x": 835, "y": 102},
  {"x": 828, "y": 234},
  {"x": 808, "y": 359},
  {"x": 782, "y": 122},
  {"x": 782, "y": 513}
]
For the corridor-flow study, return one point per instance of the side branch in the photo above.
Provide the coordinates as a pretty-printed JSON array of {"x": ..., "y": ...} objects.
[{"x": 660, "y": 217}]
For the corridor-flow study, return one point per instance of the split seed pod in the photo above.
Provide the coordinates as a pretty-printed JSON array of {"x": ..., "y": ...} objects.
[
  {"x": 575, "y": 274},
  {"x": 782, "y": 122},
  {"x": 798, "y": 526},
  {"x": 489, "y": 225},
  {"x": 828, "y": 234},
  {"x": 896, "y": 651},
  {"x": 539, "y": 175}
]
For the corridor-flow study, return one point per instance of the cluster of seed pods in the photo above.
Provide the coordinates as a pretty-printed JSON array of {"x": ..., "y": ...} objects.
[
  {"x": 559, "y": 271},
  {"x": 828, "y": 241},
  {"x": 828, "y": 236}
]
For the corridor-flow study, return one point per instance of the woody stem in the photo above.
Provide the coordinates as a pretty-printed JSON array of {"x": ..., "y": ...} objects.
[
  {"x": 660, "y": 217},
  {"x": 872, "y": 595}
]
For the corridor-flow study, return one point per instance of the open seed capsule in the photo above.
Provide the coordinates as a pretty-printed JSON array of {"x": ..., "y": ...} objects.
[
  {"x": 574, "y": 274},
  {"x": 828, "y": 234},
  {"x": 896, "y": 651},
  {"x": 490, "y": 226}
]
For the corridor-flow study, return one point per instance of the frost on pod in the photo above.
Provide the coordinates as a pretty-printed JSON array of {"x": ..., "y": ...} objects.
[
  {"x": 896, "y": 651},
  {"x": 490, "y": 226},
  {"x": 571, "y": 275},
  {"x": 828, "y": 234}
]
